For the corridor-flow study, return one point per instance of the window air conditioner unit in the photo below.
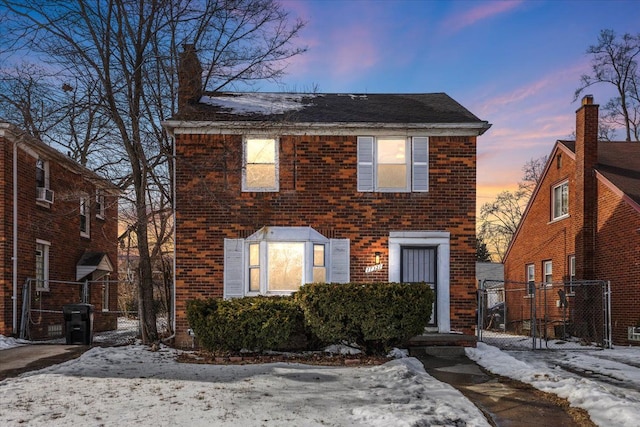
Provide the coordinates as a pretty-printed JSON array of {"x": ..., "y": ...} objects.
[{"x": 44, "y": 195}]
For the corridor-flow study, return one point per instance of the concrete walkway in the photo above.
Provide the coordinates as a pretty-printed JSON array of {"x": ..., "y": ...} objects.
[
  {"x": 503, "y": 401},
  {"x": 16, "y": 360}
]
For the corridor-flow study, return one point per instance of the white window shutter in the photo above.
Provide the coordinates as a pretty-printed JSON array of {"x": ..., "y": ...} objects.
[
  {"x": 365, "y": 163},
  {"x": 233, "y": 268},
  {"x": 420, "y": 169},
  {"x": 339, "y": 255}
]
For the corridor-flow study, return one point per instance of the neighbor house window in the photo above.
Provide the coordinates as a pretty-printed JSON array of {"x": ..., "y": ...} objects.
[
  {"x": 43, "y": 194},
  {"x": 99, "y": 204},
  {"x": 105, "y": 291},
  {"x": 572, "y": 272},
  {"x": 548, "y": 272},
  {"x": 84, "y": 217},
  {"x": 41, "y": 174},
  {"x": 560, "y": 202},
  {"x": 260, "y": 165},
  {"x": 42, "y": 265},
  {"x": 393, "y": 164},
  {"x": 531, "y": 279},
  {"x": 278, "y": 260}
]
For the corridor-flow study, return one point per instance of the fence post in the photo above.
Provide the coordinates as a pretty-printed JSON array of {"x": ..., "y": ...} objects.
[
  {"x": 480, "y": 311},
  {"x": 608, "y": 343},
  {"x": 85, "y": 292}
]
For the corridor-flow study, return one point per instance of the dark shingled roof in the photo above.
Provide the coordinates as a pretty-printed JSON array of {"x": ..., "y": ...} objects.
[
  {"x": 330, "y": 108},
  {"x": 619, "y": 162}
]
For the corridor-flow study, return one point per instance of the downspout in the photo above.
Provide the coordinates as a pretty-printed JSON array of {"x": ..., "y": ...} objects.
[{"x": 14, "y": 256}]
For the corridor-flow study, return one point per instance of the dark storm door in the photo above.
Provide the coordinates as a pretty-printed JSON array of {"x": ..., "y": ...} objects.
[{"x": 419, "y": 265}]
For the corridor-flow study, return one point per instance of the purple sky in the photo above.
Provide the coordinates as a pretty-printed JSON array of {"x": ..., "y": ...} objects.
[{"x": 515, "y": 64}]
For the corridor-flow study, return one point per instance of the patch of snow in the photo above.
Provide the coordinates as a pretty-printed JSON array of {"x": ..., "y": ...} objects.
[
  {"x": 132, "y": 385},
  {"x": 8, "y": 342},
  {"x": 258, "y": 103},
  {"x": 605, "y": 383}
]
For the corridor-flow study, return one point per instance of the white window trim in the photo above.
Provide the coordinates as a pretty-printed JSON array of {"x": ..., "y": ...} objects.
[
  {"x": 440, "y": 240},
  {"x": 284, "y": 235},
  {"x": 47, "y": 245},
  {"x": 412, "y": 165},
  {"x": 236, "y": 274},
  {"x": 276, "y": 187},
  {"x": 100, "y": 199},
  {"x": 553, "y": 201},
  {"x": 84, "y": 202}
]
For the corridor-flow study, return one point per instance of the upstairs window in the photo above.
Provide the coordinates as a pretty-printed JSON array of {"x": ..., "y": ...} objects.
[
  {"x": 560, "y": 201},
  {"x": 84, "y": 217},
  {"x": 393, "y": 164},
  {"x": 260, "y": 165},
  {"x": 44, "y": 196}
]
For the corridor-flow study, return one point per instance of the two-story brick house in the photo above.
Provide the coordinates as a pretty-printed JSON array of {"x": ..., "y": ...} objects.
[
  {"x": 274, "y": 190},
  {"x": 58, "y": 232},
  {"x": 583, "y": 223}
]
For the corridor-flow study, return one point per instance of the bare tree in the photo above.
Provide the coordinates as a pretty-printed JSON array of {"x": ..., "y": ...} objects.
[
  {"x": 615, "y": 62},
  {"x": 499, "y": 219},
  {"x": 126, "y": 50}
]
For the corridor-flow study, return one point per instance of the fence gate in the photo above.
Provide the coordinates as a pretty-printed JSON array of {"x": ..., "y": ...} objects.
[{"x": 575, "y": 315}]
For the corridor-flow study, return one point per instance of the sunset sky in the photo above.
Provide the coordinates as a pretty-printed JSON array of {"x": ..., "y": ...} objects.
[{"x": 515, "y": 64}]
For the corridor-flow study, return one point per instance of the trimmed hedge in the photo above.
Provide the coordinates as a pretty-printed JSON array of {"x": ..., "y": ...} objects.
[
  {"x": 253, "y": 323},
  {"x": 375, "y": 316}
]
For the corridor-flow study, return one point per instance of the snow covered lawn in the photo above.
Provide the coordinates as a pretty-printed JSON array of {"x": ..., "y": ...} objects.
[{"x": 132, "y": 385}]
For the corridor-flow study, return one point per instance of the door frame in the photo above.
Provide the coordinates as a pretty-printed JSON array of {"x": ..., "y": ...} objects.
[{"x": 441, "y": 241}]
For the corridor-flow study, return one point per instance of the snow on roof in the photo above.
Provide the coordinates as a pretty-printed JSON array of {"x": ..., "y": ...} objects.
[{"x": 259, "y": 103}]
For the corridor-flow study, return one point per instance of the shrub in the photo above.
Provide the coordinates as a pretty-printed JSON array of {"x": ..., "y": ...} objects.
[
  {"x": 375, "y": 316},
  {"x": 252, "y": 323}
]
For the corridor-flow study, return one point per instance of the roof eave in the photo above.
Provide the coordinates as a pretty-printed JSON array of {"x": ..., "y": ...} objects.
[{"x": 305, "y": 128}]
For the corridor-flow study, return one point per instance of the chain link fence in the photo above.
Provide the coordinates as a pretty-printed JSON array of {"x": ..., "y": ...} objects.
[
  {"x": 574, "y": 315},
  {"x": 114, "y": 319}
]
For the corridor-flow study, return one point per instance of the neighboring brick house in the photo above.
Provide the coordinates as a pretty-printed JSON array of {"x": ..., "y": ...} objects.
[
  {"x": 274, "y": 190},
  {"x": 58, "y": 229},
  {"x": 583, "y": 222}
]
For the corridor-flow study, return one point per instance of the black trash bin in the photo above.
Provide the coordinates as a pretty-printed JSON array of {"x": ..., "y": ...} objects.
[{"x": 78, "y": 323}]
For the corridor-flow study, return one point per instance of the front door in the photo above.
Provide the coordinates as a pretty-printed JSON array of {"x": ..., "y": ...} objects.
[{"x": 419, "y": 264}]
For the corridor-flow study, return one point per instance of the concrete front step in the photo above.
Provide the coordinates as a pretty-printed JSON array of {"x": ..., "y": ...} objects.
[{"x": 440, "y": 345}]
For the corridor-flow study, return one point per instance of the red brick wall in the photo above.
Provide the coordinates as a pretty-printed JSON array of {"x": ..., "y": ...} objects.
[
  {"x": 58, "y": 224},
  {"x": 318, "y": 177},
  {"x": 618, "y": 259},
  {"x": 539, "y": 238}
]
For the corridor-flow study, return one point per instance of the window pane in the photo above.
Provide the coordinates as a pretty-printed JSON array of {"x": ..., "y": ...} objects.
[
  {"x": 254, "y": 254},
  {"x": 254, "y": 279},
  {"x": 392, "y": 176},
  {"x": 261, "y": 176},
  {"x": 392, "y": 150},
  {"x": 318, "y": 255},
  {"x": 261, "y": 151},
  {"x": 319, "y": 274},
  {"x": 285, "y": 266}
]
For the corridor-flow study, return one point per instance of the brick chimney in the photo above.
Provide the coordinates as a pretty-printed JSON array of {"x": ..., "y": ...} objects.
[
  {"x": 585, "y": 212},
  {"x": 189, "y": 77}
]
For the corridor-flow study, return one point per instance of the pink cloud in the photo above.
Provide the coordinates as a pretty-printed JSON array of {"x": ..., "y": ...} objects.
[{"x": 479, "y": 13}]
